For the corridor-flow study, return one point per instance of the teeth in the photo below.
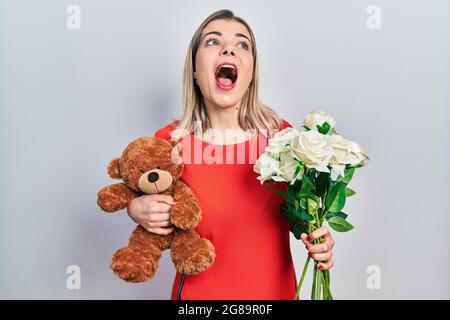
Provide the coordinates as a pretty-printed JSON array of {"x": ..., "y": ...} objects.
[
  {"x": 224, "y": 66},
  {"x": 227, "y": 66}
]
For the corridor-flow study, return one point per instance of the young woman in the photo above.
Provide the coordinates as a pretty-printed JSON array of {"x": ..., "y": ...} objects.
[{"x": 240, "y": 216}]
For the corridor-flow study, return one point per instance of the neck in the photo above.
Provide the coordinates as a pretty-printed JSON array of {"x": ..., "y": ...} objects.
[
  {"x": 225, "y": 128},
  {"x": 222, "y": 118}
]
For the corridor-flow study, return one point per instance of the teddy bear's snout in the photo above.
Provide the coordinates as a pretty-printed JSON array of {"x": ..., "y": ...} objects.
[{"x": 155, "y": 181}]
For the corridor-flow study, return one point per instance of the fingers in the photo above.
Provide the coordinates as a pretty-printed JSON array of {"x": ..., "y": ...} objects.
[
  {"x": 303, "y": 237},
  {"x": 161, "y": 231},
  {"x": 318, "y": 248},
  {"x": 321, "y": 251},
  {"x": 321, "y": 232},
  {"x": 321, "y": 256},
  {"x": 161, "y": 198},
  {"x": 325, "y": 265},
  {"x": 158, "y": 207},
  {"x": 157, "y": 217},
  {"x": 159, "y": 224},
  {"x": 327, "y": 245}
]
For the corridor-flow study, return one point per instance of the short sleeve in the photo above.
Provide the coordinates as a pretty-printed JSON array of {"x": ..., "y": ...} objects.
[
  {"x": 285, "y": 124},
  {"x": 164, "y": 132}
]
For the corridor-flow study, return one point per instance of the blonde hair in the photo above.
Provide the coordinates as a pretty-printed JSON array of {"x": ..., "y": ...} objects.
[{"x": 253, "y": 115}]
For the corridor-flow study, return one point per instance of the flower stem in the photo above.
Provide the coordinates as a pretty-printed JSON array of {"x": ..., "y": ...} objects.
[
  {"x": 319, "y": 283},
  {"x": 305, "y": 268},
  {"x": 314, "y": 282}
]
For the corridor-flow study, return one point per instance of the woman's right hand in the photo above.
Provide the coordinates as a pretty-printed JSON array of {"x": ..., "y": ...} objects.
[{"x": 152, "y": 212}]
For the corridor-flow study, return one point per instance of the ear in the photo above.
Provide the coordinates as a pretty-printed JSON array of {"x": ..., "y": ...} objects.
[
  {"x": 113, "y": 169},
  {"x": 176, "y": 154},
  {"x": 173, "y": 142}
]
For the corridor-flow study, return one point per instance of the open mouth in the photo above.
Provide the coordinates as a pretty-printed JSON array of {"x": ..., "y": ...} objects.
[{"x": 226, "y": 76}]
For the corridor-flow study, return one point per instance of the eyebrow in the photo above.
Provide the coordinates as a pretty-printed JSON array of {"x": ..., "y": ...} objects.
[{"x": 240, "y": 35}]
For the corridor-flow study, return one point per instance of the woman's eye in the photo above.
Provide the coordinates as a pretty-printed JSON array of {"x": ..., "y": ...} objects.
[
  {"x": 243, "y": 45},
  {"x": 212, "y": 42}
]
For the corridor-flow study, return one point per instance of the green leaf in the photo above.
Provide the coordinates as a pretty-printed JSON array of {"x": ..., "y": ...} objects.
[
  {"x": 303, "y": 203},
  {"x": 306, "y": 128},
  {"x": 324, "y": 128},
  {"x": 322, "y": 182},
  {"x": 293, "y": 215},
  {"x": 299, "y": 228},
  {"x": 336, "y": 214},
  {"x": 289, "y": 199},
  {"x": 312, "y": 204},
  {"x": 358, "y": 165},
  {"x": 307, "y": 188},
  {"x": 340, "y": 225},
  {"x": 349, "y": 192},
  {"x": 290, "y": 215},
  {"x": 311, "y": 174},
  {"x": 348, "y": 174},
  {"x": 299, "y": 167},
  {"x": 335, "y": 199},
  {"x": 305, "y": 216}
]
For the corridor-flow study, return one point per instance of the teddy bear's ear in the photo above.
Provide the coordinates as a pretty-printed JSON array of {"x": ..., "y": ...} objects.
[
  {"x": 177, "y": 152},
  {"x": 173, "y": 142},
  {"x": 113, "y": 169}
]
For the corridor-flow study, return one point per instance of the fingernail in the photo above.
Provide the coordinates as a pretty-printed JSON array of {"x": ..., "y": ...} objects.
[
  {"x": 308, "y": 238},
  {"x": 320, "y": 267}
]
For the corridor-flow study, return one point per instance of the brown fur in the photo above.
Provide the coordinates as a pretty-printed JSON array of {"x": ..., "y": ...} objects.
[{"x": 138, "y": 261}]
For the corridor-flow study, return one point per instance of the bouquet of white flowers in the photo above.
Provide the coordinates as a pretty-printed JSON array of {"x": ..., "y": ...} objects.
[{"x": 317, "y": 164}]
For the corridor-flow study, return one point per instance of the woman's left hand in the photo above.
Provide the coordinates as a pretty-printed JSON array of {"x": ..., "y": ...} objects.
[{"x": 322, "y": 252}]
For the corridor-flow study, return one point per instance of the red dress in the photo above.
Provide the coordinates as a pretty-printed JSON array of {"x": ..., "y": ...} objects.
[{"x": 241, "y": 218}]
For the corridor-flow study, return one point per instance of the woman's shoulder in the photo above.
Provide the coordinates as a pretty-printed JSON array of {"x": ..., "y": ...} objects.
[{"x": 164, "y": 132}]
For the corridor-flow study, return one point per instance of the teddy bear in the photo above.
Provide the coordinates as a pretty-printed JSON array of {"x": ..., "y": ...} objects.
[{"x": 149, "y": 165}]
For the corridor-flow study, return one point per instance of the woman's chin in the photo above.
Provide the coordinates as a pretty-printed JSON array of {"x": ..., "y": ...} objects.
[{"x": 225, "y": 101}]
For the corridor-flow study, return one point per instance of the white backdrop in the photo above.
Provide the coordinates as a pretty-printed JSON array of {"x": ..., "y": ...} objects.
[{"x": 71, "y": 99}]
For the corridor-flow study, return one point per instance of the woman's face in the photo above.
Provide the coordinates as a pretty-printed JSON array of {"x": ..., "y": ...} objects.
[{"x": 224, "y": 63}]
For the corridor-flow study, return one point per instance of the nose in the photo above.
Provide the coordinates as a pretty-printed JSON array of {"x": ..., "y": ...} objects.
[
  {"x": 228, "y": 51},
  {"x": 152, "y": 177}
]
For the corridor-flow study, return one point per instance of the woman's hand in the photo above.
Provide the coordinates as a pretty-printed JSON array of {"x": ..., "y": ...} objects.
[
  {"x": 152, "y": 212},
  {"x": 321, "y": 252}
]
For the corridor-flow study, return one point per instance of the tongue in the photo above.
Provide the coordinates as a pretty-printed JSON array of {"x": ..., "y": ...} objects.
[{"x": 224, "y": 81}]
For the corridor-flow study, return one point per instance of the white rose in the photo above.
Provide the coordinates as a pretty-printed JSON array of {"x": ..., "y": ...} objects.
[
  {"x": 318, "y": 117},
  {"x": 268, "y": 167},
  {"x": 288, "y": 166},
  {"x": 345, "y": 152},
  {"x": 279, "y": 142},
  {"x": 313, "y": 149},
  {"x": 337, "y": 170},
  {"x": 341, "y": 151},
  {"x": 358, "y": 152}
]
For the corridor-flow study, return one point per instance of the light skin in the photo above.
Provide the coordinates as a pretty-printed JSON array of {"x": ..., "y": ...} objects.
[{"x": 221, "y": 40}]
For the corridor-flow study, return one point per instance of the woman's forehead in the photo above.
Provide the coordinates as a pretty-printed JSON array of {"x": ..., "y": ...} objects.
[{"x": 226, "y": 27}]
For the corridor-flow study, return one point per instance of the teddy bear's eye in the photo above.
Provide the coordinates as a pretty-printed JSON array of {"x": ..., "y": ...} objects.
[{"x": 157, "y": 167}]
